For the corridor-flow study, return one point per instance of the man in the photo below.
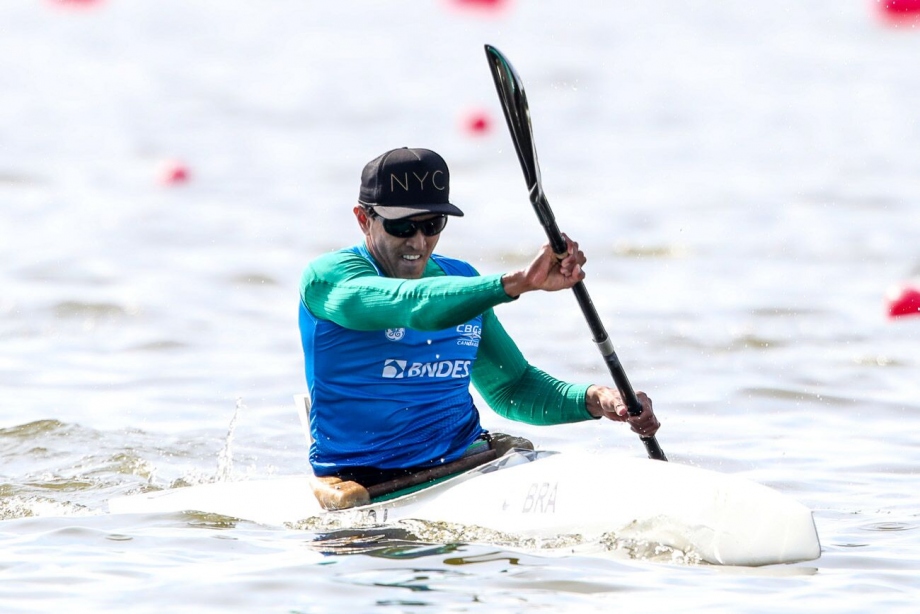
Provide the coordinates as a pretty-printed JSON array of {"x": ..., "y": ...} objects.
[{"x": 393, "y": 334}]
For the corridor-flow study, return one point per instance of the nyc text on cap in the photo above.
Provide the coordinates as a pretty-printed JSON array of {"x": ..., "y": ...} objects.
[{"x": 406, "y": 182}]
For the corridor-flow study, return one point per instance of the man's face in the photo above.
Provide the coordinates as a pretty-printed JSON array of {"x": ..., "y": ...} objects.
[{"x": 404, "y": 258}]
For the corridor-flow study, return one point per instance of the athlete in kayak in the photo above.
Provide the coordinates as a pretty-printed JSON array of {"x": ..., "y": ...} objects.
[{"x": 393, "y": 334}]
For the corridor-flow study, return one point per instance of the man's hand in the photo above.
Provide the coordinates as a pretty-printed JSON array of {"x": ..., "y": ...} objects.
[
  {"x": 602, "y": 401},
  {"x": 548, "y": 272}
]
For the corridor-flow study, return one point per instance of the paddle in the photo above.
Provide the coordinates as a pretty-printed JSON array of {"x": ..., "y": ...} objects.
[{"x": 514, "y": 104}]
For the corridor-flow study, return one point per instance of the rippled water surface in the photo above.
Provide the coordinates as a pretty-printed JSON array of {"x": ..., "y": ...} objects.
[{"x": 744, "y": 178}]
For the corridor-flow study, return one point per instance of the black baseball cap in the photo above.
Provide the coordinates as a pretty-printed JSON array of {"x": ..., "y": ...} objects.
[{"x": 405, "y": 182}]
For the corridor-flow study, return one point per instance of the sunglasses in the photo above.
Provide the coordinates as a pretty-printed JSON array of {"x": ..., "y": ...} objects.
[{"x": 404, "y": 229}]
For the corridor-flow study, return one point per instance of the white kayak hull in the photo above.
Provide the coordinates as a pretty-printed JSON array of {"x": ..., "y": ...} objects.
[{"x": 722, "y": 519}]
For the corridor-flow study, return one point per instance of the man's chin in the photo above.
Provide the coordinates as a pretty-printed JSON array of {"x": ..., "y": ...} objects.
[{"x": 412, "y": 269}]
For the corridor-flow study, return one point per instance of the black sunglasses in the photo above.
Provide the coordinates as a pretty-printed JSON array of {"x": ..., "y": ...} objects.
[{"x": 404, "y": 229}]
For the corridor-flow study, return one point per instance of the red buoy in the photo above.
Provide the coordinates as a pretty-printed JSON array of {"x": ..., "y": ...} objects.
[
  {"x": 483, "y": 7},
  {"x": 903, "y": 301},
  {"x": 174, "y": 172},
  {"x": 899, "y": 12},
  {"x": 896, "y": 7},
  {"x": 75, "y": 3},
  {"x": 477, "y": 122}
]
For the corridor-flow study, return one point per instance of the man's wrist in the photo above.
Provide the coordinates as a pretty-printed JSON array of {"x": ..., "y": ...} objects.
[
  {"x": 514, "y": 284},
  {"x": 593, "y": 403}
]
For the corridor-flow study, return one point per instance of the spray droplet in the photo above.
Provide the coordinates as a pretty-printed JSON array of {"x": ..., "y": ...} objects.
[{"x": 225, "y": 458}]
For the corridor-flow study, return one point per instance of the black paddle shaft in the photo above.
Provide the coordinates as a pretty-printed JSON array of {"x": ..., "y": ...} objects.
[{"x": 514, "y": 104}]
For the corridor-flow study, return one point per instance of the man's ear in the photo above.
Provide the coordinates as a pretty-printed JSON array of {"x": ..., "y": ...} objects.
[{"x": 363, "y": 220}]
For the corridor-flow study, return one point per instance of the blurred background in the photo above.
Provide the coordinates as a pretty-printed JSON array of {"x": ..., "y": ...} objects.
[{"x": 743, "y": 177}]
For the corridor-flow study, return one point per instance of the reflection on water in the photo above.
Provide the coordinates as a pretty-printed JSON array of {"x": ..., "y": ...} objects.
[
  {"x": 388, "y": 543},
  {"x": 417, "y": 538}
]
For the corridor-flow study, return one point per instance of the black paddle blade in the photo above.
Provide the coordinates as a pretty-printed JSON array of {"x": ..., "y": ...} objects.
[{"x": 514, "y": 104}]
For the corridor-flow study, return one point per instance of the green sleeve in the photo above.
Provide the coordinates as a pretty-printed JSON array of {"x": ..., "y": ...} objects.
[
  {"x": 345, "y": 288},
  {"x": 517, "y": 390}
]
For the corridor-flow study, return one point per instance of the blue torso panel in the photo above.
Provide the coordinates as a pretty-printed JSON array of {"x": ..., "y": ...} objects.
[{"x": 390, "y": 398}]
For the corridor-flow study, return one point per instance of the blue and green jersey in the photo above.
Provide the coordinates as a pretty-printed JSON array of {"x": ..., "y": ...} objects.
[{"x": 389, "y": 363}]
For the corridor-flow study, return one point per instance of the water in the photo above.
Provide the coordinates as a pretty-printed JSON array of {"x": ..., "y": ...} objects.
[{"x": 742, "y": 176}]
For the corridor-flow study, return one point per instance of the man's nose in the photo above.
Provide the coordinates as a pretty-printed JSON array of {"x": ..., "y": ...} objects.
[{"x": 417, "y": 239}]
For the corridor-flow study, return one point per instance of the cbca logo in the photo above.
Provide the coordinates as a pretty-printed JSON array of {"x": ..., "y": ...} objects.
[
  {"x": 394, "y": 368},
  {"x": 470, "y": 334},
  {"x": 395, "y": 334}
]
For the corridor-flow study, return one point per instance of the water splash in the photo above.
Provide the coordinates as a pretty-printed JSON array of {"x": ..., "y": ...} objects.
[{"x": 225, "y": 458}]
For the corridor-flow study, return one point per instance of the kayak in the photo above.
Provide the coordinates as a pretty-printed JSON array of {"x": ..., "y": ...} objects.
[
  {"x": 544, "y": 497},
  {"x": 717, "y": 518}
]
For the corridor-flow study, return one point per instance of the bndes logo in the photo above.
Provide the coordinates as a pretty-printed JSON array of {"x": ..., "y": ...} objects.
[
  {"x": 399, "y": 369},
  {"x": 393, "y": 368}
]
